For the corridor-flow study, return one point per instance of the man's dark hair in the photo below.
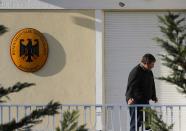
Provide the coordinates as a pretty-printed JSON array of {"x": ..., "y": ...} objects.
[{"x": 148, "y": 58}]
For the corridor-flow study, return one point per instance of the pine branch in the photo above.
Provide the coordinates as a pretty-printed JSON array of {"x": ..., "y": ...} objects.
[
  {"x": 171, "y": 49},
  {"x": 3, "y": 29},
  {"x": 15, "y": 88},
  {"x": 180, "y": 21},
  {"x": 81, "y": 128},
  {"x": 163, "y": 20},
  {"x": 170, "y": 62},
  {"x": 170, "y": 28},
  {"x": 70, "y": 122},
  {"x": 169, "y": 33},
  {"x": 29, "y": 121},
  {"x": 155, "y": 122},
  {"x": 180, "y": 82}
]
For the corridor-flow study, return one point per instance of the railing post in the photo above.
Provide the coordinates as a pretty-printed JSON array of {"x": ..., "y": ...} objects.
[
  {"x": 128, "y": 119},
  {"x": 136, "y": 119},
  {"x": 61, "y": 116},
  {"x": 85, "y": 113},
  {"x": 53, "y": 123},
  {"x": 179, "y": 118},
  {"x": 166, "y": 114},
  {"x": 171, "y": 114},
  {"x": 143, "y": 127},
  {"x": 1, "y": 114},
  {"x": 107, "y": 118},
  {"x": 9, "y": 113},
  {"x": 98, "y": 121},
  {"x": 112, "y": 110},
  {"x": 120, "y": 108},
  {"x": 25, "y": 107}
]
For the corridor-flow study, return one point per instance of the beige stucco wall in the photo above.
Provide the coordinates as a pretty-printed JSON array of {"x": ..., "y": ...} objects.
[{"x": 69, "y": 73}]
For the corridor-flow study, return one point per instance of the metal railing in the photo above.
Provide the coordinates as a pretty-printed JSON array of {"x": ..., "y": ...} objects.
[{"x": 96, "y": 117}]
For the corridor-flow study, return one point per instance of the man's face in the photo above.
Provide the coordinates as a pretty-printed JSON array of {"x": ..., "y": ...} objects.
[{"x": 149, "y": 66}]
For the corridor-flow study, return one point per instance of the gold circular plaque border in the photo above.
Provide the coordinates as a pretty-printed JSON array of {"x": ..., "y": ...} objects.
[{"x": 45, "y": 41}]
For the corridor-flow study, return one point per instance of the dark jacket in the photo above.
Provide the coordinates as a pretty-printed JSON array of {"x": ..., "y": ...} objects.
[{"x": 141, "y": 84}]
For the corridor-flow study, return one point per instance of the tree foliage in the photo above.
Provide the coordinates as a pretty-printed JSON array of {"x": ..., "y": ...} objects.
[
  {"x": 174, "y": 43},
  {"x": 3, "y": 29},
  {"x": 70, "y": 122},
  {"x": 4, "y": 92},
  {"x": 155, "y": 121},
  {"x": 27, "y": 122}
]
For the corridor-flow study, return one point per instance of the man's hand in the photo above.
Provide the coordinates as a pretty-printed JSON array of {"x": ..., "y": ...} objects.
[
  {"x": 155, "y": 100},
  {"x": 130, "y": 101}
]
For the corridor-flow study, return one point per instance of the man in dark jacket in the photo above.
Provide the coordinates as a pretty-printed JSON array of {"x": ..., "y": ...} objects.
[{"x": 140, "y": 88}]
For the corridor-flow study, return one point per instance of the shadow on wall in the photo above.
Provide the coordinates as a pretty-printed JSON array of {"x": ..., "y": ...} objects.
[
  {"x": 62, "y": 3},
  {"x": 84, "y": 22},
  {"x": 54, "y": 2},
  {"x": 56, "y": 58},
  {"x": 88, "y": 22}
]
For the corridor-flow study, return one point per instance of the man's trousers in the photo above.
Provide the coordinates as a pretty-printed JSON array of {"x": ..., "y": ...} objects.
[{"x": 139, "y": 115}]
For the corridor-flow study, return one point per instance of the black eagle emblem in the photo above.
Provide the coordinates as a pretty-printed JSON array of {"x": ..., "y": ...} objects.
[{"x": 29, "y": 51}]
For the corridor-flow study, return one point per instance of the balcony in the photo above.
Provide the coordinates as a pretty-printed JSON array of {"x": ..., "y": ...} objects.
[{"x": 96, "y": 117}]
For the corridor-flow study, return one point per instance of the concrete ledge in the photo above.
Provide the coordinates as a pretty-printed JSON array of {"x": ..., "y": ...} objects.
[{"x": 95, "y": 4}]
